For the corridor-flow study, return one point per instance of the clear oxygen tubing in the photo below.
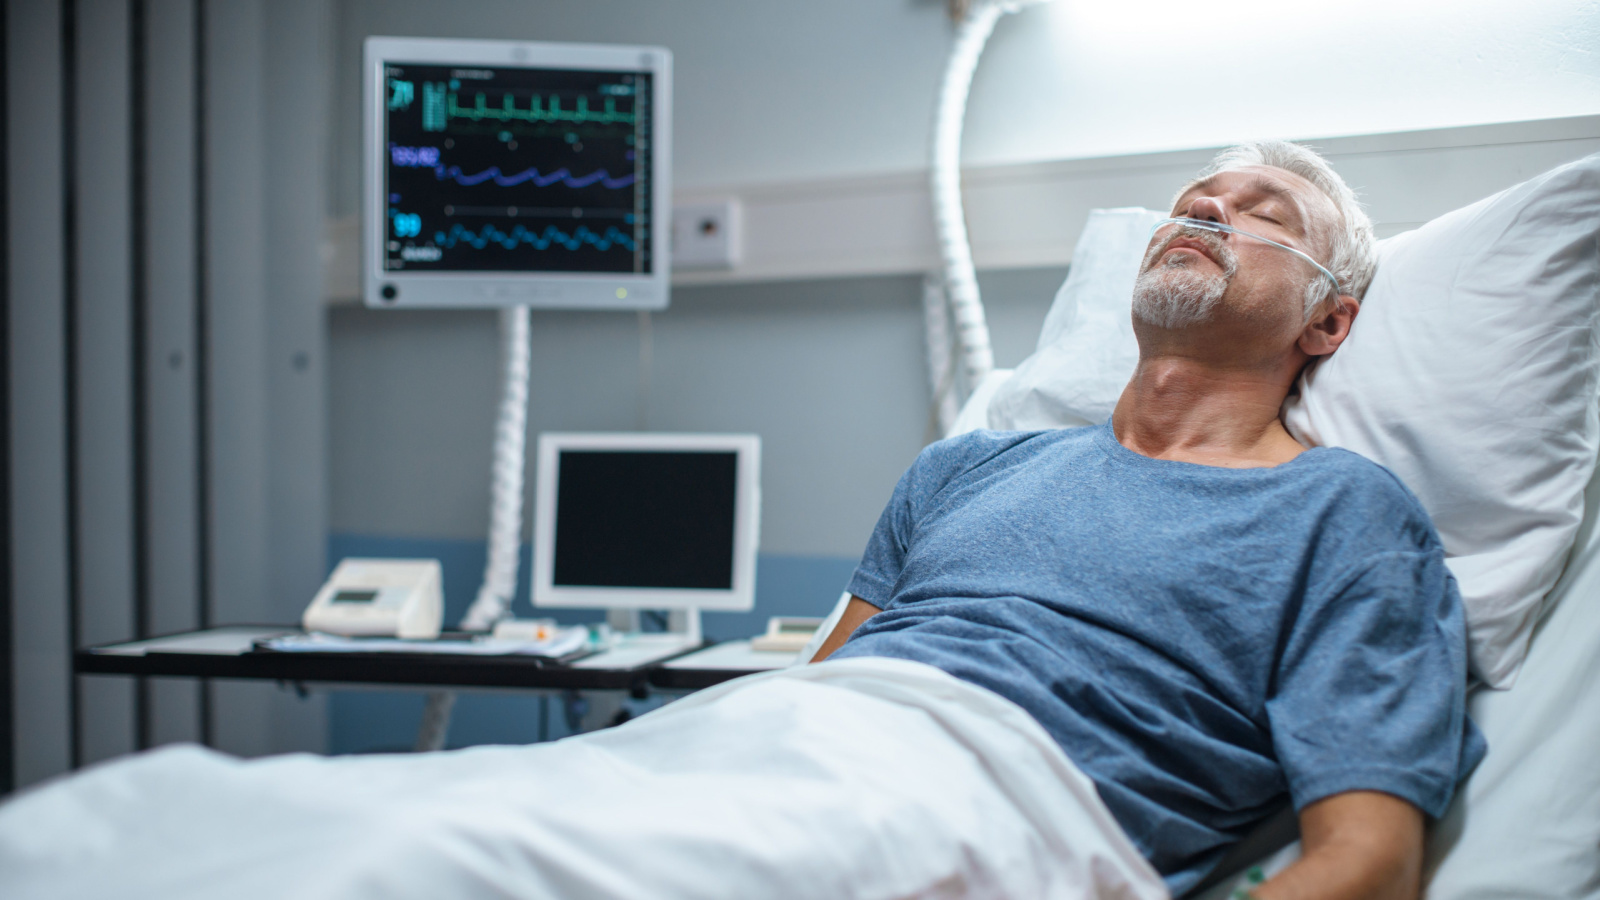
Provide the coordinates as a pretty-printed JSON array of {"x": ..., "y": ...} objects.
[
  {"x": 1220, "y": 228},
  {"x": 949, "y": 219},
  {"x": 505, "y": 499}
]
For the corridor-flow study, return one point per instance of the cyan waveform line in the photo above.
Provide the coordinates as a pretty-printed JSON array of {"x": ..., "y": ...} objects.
[
  {"x": 602, "y": 176},
  {"x": 544, "y": 240},
  {"x": 536, "y": 111}
]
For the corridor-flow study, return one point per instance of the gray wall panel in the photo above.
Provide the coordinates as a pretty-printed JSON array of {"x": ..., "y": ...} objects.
[
  {"x": 223, "y": 329},
  {"x": 830, "y": 373},
  {"x": 171, "y": 520},
  {"x": 265, "y": 153},
  {"x": 236, "y": 307},
  {"x": 38, "y": 564},
  {"x": 104, "y": 409},
  {"x": 298, "y": 67},
  {"x": 831, "y": 378},
  {"x": 411, "y": 397}
]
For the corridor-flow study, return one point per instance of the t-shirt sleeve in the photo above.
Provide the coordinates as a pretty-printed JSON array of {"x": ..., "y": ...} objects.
[
  {"x": 885, "y": 556},
  {"x": 935, "y": 466},
  {"x": 1371, "y": 686}
]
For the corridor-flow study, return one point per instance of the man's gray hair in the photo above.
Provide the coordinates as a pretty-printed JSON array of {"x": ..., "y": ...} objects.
[{"x": 1354, "y": 256}]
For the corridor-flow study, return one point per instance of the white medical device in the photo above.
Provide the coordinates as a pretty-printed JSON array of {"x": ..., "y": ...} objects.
[
  {"x": 787, "y": 634},
  {"x": 648, "y": 521},
  {"x": 379, "y": 598},
  {"x": 510, "y": 173}
]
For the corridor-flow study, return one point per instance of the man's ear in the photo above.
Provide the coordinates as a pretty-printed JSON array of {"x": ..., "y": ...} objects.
[{"x": 1328, "y": 329}]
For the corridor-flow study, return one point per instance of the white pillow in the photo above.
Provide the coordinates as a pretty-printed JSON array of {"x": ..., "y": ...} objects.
[
  {"x": 1471, "y": 374},
  {"x": 1086, "y": 351}
]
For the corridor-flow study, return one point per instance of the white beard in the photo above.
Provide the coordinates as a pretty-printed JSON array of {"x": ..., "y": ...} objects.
[
  {"x": 1173, "y": 295},
  {"x": 1171, "y": 298}
]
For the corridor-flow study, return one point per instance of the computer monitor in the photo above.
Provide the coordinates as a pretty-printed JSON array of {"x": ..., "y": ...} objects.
[
  {"x": 647, "y": 521},
  {"x": 500, "y": 173}
]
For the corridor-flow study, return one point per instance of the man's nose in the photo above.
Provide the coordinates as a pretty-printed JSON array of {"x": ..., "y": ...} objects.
[{"x": 1208, "y": 209}]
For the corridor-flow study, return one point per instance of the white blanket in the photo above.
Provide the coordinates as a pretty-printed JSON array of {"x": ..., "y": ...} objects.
[{"x": 856, "y": 778}]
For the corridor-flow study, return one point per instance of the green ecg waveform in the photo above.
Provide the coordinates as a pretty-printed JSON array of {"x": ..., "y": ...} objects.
[{"x": 539, "y": 112}]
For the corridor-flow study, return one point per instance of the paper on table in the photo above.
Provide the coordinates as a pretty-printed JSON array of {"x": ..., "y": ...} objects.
[{"x": 566, "y": 642}]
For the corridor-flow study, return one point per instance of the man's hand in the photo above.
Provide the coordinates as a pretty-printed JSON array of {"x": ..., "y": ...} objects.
[
  {"x": 857, "y": 612},
  {"x": 1362, "y": 844}
]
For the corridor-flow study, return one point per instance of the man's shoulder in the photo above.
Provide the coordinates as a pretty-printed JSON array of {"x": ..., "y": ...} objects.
[
  {"x": 1365, "y": 496},
  {"x": 1352, "y": 472},
  {"x": 974, "y": 448},
  {"x": 978, "y": 454}
]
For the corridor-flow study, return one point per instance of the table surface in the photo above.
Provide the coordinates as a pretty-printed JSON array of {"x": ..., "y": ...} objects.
[{"x": 229, "y": 652}]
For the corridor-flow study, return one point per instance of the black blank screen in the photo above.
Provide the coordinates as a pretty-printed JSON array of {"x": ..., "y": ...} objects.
[{"x": 649, "y": 519}]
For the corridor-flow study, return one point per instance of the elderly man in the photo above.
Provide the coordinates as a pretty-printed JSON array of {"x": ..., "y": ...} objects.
[
  {"x": 1205, "y": 616},
  {"x": 1203, "y": 613}
]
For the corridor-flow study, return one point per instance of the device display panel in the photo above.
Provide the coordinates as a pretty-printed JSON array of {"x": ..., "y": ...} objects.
[
  {"x": 645, "y": 519},
  {"x": 512, "y": 169},
  {"x": 501, "y": 173}
]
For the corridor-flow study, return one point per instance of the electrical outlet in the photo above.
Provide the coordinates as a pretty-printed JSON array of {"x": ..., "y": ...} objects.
[{"x": 705, "y": 235}]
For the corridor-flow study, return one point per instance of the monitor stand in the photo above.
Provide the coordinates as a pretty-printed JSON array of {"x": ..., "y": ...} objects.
[{"x": 633, "y": 647}]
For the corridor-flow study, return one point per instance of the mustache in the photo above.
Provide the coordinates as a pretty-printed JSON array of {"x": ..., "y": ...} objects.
[{"x": 1218, "y": 248}]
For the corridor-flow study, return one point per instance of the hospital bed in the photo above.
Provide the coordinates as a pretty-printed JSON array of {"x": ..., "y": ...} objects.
[{"x": 1526, "y": 824}]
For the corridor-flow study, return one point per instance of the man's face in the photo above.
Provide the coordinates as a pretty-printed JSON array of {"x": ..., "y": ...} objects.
[{"x": 1191, "y": 277}]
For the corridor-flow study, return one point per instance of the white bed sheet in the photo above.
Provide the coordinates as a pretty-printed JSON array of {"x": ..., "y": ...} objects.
[
  {"x": 1527, "y": 824},
  {"x": 857, "y": 778}
]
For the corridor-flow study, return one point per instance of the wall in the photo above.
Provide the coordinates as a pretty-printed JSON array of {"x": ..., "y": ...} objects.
[
  {"x": 775, "y": 92},
  {"x": 165, "y": 174},
  {"x": 826, "y": 106},
  {"x": 828, "y": 372}
]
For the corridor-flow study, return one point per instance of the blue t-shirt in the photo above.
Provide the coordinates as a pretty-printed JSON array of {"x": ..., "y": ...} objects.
[{"x": 1200, "y": 640}]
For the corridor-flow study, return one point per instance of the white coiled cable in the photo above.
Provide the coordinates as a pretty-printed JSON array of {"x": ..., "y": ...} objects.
[
  {"x": 941, "y": 363},
  {"x": 949, "y": 218},
  {"x": 959, "y": 299},
  {"x": 493, "y": 602}
]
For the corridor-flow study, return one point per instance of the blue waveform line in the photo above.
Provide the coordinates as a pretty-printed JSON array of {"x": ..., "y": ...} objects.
[
  {"x": 602, "y": 176},
  {"x": 551, "y": 236}
]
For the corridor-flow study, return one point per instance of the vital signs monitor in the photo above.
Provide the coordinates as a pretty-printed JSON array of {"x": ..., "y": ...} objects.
[{"x": 503, "y": 173}]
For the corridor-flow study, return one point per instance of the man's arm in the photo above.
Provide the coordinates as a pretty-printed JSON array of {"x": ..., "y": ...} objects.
[
  {"x": 857, "y": 612},
  {"x": 1362, "y": 844}
]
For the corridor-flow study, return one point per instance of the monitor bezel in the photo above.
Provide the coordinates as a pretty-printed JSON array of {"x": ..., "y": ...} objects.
[
  {"x": 542, "y": 290},
  {"x": 746, "y": 523}
]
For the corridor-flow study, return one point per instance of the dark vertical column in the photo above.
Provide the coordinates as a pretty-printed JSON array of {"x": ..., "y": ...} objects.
[
  {"x": 69, "y": 276},
  {"x": 139, "y": 350},
  {"x": 238, "y": 323},
  {"x": 297, "y": 71},
  {"x": 169, "y": 525},
  {"x": 8, "y": 778},
  {"x": 104, "y": 471},
  {"x": 40, "y": 643},
  {"x": 202, "y": 362}
]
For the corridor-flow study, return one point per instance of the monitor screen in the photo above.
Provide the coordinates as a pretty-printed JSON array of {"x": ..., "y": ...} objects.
[
  {"x": 650, "y": 519},
  {"x": 513, "y": 169},
  {"x": 642, "y": 520},
  {"x": 504, "y": 172}
]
